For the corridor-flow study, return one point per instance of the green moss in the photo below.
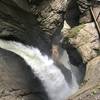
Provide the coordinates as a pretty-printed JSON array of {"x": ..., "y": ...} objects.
[
  {"x": 93, "y": 92},
  {"x": 97, "y": 51},
  {"x": 74, "y": 31},
  {"x": 66, "y": 40}
]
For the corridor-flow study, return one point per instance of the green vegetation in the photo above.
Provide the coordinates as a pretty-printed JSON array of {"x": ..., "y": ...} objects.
[
  {"x": 93, "y": 92},
  {"x": 97, "y": 51},
  {"x": 74, "y": 31}
]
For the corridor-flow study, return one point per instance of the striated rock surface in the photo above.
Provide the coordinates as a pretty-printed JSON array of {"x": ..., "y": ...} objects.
[
  {"x": 32, "y": 26},
  {"x": 85, "y": 38},
  {"x": 18, "y": 24},
  {"x": 50, "y": 14}
]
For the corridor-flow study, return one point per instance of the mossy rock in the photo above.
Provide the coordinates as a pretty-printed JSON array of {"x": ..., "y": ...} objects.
[{"x": 74, "y": 31}]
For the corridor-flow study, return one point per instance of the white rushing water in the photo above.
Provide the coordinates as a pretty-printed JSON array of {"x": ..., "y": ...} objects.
[{"x": 44, "y": 68}]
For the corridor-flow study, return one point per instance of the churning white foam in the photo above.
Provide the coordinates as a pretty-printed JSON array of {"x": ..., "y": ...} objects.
[{"x": 44, "y": 68}]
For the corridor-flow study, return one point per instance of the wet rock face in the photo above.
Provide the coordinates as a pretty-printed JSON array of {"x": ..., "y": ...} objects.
[
  {"x": 31, "y": 21},
  {"x": 18, "y": 24},
  {"x": 85, "y": 39},
  {"x": 17, "y": 80},
  {"x": 91, "y": 86}
]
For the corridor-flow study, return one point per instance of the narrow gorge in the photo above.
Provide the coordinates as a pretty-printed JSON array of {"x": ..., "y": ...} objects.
[{"x": 49, "y": 50}]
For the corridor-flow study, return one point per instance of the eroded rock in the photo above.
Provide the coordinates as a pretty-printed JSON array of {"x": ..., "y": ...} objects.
[
  {"x": 86, "y": 39},
  {"x": 88, "y": 51},
  {"x": 50, "y": 14}
]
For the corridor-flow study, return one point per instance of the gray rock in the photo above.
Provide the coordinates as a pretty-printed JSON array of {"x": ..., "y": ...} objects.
[
  {"x": 50, "y": 15},
  {"x": 20, "y": 25},
  {"x": 17, "y": 80}
]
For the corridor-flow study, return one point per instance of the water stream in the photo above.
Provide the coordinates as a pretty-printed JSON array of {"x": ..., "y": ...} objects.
[{"x": 53, "y": 78}]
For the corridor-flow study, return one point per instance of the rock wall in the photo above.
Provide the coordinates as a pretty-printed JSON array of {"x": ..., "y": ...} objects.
[
  {"x": 85, "y": 39},
  {"x": 37, "y": 23},
  {"x": 19, "y": 22},
  {"x": 17, "y": 80}
]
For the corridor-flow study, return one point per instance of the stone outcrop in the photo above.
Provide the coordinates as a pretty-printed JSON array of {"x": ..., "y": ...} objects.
[
  {"x": 18, "y": 24},
  {"x": 85, "y": 38},
  {"x": 50, "y": 14},
  {"x": 33, "y": 22}
]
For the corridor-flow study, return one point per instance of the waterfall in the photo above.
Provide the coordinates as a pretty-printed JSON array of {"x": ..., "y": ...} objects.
[{"x": 44, "y": 68}]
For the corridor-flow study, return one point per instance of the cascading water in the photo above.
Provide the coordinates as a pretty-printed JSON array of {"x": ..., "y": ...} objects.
[{"x": 52, "y": 78}]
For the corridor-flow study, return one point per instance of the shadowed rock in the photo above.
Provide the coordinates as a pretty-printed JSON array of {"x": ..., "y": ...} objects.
[{"x": 17, "y": 81}]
